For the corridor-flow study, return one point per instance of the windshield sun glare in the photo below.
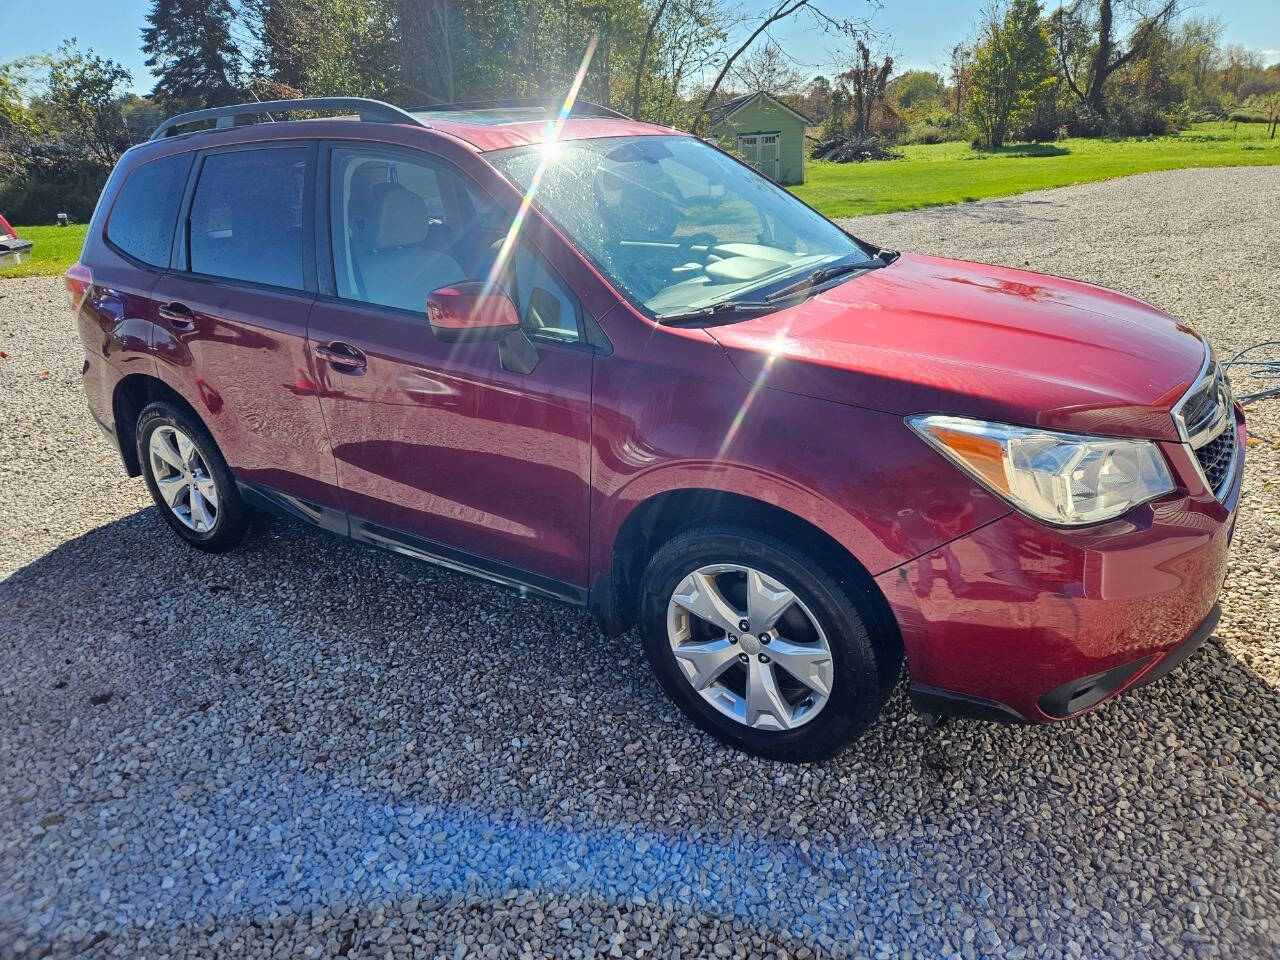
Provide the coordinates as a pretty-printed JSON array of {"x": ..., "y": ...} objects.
[{"x": 676, "y": 224}]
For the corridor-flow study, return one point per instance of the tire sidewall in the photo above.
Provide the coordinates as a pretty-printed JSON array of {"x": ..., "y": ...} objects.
[{"x": 858, "y": 690}]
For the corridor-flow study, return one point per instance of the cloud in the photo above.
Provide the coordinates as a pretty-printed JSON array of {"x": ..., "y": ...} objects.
[{"x": 1270, "y": 56}]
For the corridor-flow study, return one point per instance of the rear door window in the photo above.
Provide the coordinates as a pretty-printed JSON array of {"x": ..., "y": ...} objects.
[
  {"x": 247, "y": 216},
  {"x": 146, "y": 211}
]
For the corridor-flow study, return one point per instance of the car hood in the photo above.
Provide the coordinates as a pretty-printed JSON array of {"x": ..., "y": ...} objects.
[{"x": 928, "y": 335}]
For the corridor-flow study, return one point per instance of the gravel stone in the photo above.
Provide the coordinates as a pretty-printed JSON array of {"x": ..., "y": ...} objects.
[{"x": 313, "y": 749}]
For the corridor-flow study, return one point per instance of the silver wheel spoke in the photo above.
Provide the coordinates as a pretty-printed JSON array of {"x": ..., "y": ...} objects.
[
  {"x": 185, "y": 448},
  {"x": 208, "y": 489},
  {"x": 703, "y": 663},
  {"x": 767, "y": 600},
  {"x": 171, "y": 488},
  {"x": 201, "y": 517},
  {"x": 808, "y": 663},
  {"x": 163, "y": 447},
  {"x": 699, "y": 595},
  {"x": 766, "y": 706}
]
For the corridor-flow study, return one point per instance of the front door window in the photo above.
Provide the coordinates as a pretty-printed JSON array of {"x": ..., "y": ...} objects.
[{"x": 403, "y": 227}]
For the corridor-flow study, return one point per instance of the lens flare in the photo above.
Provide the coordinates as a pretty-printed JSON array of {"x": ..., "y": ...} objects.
[
  {"x": 775, "y": 351},
  {"x": 550, "y": 149}
]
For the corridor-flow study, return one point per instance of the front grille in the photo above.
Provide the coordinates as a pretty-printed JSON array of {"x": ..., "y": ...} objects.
[
  {"x": 1205, "y": 423},
  {"x": 1216, "y": 458}
]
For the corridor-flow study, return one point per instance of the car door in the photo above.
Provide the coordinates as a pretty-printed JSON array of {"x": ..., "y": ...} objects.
[
  {"x": 234, "y": 311},
  {"x": 440, "y": 450}
]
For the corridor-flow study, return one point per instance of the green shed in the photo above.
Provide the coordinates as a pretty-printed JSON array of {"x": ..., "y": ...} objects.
[{"x": 766, "y": 132}]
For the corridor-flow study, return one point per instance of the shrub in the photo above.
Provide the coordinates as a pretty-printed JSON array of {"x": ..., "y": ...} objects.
[{"x": 934, "y": 133}]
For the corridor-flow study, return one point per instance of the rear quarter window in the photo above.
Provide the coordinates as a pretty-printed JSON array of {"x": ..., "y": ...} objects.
[{"x": 146, "y": 211}]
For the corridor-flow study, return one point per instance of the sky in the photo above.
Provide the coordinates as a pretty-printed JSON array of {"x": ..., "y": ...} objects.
[{"x": 920, "y": 33}]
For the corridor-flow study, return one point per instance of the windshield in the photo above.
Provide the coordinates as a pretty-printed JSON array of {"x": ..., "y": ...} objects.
[{"x": 675, "y": 223}]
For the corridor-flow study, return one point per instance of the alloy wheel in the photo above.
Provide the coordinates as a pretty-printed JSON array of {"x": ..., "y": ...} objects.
[
  {"x": 749, "y": 647},
  {"x": 183, "y": 478}
]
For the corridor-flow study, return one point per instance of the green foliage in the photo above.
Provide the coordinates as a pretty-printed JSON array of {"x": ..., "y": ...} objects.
[
  {"x": 62, "y": 128},
  {"x": 1012, "y": 65},
  {"x": 190, "y": 46},
  {"x": 940, "y": 127},
  {"x": 914, "y": 88},
  {"x": 19, "y": 126},
  {"x": 82, "y": 99}
]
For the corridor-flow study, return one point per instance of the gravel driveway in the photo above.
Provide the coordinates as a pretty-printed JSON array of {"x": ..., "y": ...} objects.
[{"x": 308, "y": 749}]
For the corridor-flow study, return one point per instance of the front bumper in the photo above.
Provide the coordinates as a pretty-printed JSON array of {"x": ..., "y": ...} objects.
[{"x": 1019, "y": 621}]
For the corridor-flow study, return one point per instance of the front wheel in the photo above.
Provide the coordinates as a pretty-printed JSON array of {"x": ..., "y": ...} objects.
[
  {"x": 761, "y": 647},
  {"x": 189, "y": 481}
]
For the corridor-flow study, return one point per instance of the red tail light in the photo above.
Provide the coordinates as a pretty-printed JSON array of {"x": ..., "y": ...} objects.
[{"x": 79, "y": 279}]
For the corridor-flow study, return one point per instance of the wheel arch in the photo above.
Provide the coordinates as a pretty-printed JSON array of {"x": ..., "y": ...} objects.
[
  {"x": 654, "y": 521},
  {"x": 131, "y": 396}
]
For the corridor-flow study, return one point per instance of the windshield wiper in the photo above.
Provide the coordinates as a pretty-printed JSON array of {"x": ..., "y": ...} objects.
[
  {"x": 745, "y": 307},
  {"x": 823, "y": 274}
]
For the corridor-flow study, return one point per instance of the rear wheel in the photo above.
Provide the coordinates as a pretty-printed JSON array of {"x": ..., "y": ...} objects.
[
  {"x": 761, "y": 646},
  {"x": 189, "y": 481}
]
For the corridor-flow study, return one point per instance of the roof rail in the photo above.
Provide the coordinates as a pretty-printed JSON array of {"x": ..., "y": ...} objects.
[
  {"x": 369, "y": 111},
  {"x": 581, "y": 108}
]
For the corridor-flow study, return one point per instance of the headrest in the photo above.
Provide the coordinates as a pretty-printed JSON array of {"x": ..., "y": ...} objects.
[{"x": 397, "y": 217}]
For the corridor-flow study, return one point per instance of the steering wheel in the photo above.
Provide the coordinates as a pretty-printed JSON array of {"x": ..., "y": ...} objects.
[{"x": 701, "y": 238}]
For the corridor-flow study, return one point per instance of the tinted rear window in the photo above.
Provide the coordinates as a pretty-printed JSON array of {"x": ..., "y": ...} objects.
[
  {"x": 144, "y": 214},
  {"x": 246, "y": 216}
]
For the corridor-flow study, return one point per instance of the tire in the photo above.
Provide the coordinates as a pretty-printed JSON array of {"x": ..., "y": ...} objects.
[
  {"x": 829, "y": 628},
  {"x": 189, "y": 516}
]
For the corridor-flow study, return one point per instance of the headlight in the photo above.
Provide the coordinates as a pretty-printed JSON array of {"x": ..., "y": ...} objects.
[{"x": 1060, "y": 478}]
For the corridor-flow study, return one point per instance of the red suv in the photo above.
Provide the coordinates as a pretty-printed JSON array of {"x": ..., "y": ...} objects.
[{"x": 605, "y": 362}]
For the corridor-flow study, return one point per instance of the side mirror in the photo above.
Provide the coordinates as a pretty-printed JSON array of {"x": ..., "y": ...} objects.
[{"x": 471, "y": 310}]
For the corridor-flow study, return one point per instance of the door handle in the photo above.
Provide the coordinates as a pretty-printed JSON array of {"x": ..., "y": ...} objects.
[
  {"x": 179, "y": 315},
  {"x": 343, "y": 356}
]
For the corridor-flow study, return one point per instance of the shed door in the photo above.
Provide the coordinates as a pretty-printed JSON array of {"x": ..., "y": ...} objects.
[{"x": 763, "y": 152}]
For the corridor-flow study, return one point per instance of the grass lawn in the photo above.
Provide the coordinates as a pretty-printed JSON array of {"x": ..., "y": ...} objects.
[
  {"x": 937, "y": 174},
  {"x": 54, "y": 249}
]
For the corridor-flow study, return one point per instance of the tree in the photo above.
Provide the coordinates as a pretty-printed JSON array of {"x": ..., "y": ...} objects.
[
  {"x": 189, "y": 45},
  {"x": 767, "y": 68},
  {"x": 279, "y": 30},
  {"x": 62, "y": 128},
  {"x": 817, "y": 98},
  {"x": 692, "y": 43},
  {"x": 19, "y": 126},
  {"x": 83, "y": 98},
  {"x": 1088, "y": 53},
  {"x": 959, "y": 69},
  {"x": 1012, "y": 63},
  {"x": 354, "y": 55},
  {"x": 642, "y": 61},
  {"x": 776, "y": 12},
  {"x": 836, "y": 123},
  {"x": 867, "y": 82},
  {"x": 914, "y": 87},
  {"x": 425, "y": 50}
]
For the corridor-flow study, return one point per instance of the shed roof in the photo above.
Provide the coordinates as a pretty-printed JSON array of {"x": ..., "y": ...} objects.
[{"x": 730, "y": 107}]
